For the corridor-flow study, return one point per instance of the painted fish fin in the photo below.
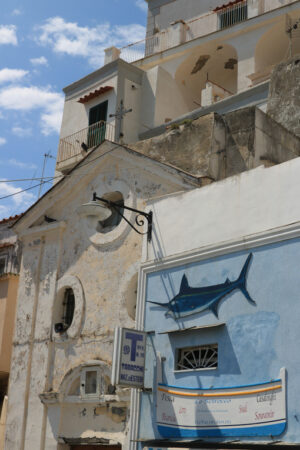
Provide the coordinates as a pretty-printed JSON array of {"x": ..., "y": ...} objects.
[
  {"x": 184, "y": 284},
  {"x": 227, "y": 281},
  {"x": 242, "y": 280},
  {"x": 164, "y": 305},
  {"x": 214, "y": 309}
]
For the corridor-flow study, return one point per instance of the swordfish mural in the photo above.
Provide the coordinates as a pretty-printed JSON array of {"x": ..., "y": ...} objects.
[{"x": 194, "y": 300}]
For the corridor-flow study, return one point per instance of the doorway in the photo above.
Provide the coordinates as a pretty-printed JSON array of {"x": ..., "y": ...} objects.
[{"x": 97, "y": 124}]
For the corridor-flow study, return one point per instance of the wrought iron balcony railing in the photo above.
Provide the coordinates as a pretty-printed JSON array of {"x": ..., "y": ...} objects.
[{"x": 82, "y": 141}]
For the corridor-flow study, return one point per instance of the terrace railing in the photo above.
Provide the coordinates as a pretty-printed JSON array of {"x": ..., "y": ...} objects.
[
  {"x": 85, "y": 139},
  {"x": 229, "y": 16},
  {"x": 181, "y": 32}
]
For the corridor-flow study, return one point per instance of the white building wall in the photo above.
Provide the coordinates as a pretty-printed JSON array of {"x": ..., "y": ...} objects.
[
  {"x": 76, "y": 115},
  {"x": 163, "y": 12},
  {"x": 132, "y": 120},
  {"x": 229, "y": 210}
]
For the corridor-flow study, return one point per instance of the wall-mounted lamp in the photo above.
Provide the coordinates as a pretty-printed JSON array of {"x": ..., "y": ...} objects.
[{"x": 102, "y": 209}]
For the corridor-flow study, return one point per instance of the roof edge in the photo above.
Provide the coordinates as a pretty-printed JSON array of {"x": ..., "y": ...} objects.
[{"x": 192, "y": 179}]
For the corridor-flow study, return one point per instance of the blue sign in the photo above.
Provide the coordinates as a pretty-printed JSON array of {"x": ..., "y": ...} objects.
[{"x": 130, "y": 357}]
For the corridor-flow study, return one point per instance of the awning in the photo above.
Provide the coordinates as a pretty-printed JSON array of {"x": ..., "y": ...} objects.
[
  {"x": 227, "y": 5},
  {"x": 208, "y": 444},
  {"x": 195, "y": 328},
  {"x": 94, "y": 94}
]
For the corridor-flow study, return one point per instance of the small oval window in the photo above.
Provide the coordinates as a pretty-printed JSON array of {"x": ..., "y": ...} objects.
[
  {"x": 105, "y": 226},
  {"x": 66, "y": 311},
  {"x": 68, "y": 307}
]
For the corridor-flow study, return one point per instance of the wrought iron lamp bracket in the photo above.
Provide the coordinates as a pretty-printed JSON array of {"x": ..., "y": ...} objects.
[{"x": 139, "y": 221}]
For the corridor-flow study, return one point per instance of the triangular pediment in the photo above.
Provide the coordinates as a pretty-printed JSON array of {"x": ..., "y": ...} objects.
[{"x": 103, "y": 169}]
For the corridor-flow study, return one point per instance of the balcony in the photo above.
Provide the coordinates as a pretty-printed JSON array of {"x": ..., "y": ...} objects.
[
  {"x": 180, "y": 32},
  {"x": 72, "y": 148}
]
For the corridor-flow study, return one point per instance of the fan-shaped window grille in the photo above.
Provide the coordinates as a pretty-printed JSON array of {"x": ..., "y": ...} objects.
[{"x": 203, "y": 357}]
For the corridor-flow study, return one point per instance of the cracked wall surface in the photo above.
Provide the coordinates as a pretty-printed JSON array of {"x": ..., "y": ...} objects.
[{"x": 40, "y": 413}]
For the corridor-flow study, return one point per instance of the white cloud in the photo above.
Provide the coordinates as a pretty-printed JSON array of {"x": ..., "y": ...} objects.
[
  {"x": 11, "y": 75},
  {"x": 21, "y": 132},
  {"x": 22, "y": 98},
  {"x": 71, "y": 39},
  {"x": 17, "y": 203},
  {"x": 5, "y": 212},
  {"x": 42, "y": 61},
  {"x": 8, "y": 34},
  {"x": 16, "y": 12},
  {"x": 2, "y": 141},
  {"x": 142, "y": 5},
  {"x": 21, "y": 165}
]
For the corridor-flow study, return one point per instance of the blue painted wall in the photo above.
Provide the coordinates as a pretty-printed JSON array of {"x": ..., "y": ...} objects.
[{"x": 256, "y": 340}]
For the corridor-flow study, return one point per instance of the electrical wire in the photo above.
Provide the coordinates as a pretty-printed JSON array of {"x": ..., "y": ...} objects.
[
  {"x": 23, "y": 190},
  {"x": 60, "y": 176},
  {"x": 28, "y": 179}
]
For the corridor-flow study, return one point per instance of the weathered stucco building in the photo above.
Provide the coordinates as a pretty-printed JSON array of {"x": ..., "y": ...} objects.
[
  {"x": 78, "y": 282},
  {"x": 200, "y": 114},
  {"x": 10, "y": 253}
]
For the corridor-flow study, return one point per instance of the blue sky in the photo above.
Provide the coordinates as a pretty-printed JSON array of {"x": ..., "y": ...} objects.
[{"x": 44, "y": 46}]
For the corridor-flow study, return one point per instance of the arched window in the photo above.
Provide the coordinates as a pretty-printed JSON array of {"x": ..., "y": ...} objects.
[{"x": 90, "y": 380}]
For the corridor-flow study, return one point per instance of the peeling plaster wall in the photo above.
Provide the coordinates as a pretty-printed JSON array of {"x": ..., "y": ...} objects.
[
  {"x": 283, "y": 103},
  {"x": 104, "y": 270},
  {"x": 216, "y": 147}
]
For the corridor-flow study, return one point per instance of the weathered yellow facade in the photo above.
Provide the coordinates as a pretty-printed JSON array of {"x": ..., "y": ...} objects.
[{"x": 9, "y": 280}]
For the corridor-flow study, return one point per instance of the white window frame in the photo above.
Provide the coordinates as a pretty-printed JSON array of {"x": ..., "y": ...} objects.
[
  {"x": 189, "y": 349},
  {"x": 83, "y": 373}
]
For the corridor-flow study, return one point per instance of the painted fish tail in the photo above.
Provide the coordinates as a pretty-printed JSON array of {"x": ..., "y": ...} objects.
[
  {"x": 242, "y": 280},
  {"x": 164, "y": 305}
]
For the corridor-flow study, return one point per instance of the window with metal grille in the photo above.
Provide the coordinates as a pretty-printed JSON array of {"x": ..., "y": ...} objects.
[
  {"x": 192, "y": 358},
  {"x": 68, "y": 307},
  {"x": 231, "y": 15}
]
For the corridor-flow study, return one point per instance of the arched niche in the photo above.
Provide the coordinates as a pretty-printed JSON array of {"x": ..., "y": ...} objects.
[
  {"x": 89, "y": 380},
  {"x": 271, "y": 49},
  {"x": 214, "y": 63},
  {"x": 89, "y": 406}
]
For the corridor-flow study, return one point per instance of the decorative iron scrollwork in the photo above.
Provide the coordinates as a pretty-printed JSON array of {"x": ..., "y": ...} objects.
[{"x": 139, "y": 219}]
